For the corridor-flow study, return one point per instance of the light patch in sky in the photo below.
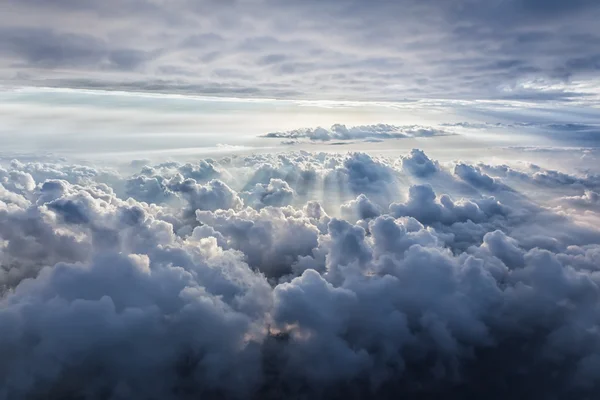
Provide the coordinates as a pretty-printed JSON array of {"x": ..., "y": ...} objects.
[{"x": 92, "y": 123}]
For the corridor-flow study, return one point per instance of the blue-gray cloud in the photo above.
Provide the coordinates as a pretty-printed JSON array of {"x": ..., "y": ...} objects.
[
  {"x": 466, "y": 49},
  {"x": 233, "y": 280}
]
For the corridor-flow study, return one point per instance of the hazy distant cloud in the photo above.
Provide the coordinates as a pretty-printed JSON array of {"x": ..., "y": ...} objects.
[
  {"x": 331, "y": 50},
  {"x": 575, "y": 132},
  {"x": 367, "y": 133}
]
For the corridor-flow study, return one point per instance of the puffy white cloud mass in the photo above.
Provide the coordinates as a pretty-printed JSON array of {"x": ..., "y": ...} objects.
[{"x": 298, "y": 275}]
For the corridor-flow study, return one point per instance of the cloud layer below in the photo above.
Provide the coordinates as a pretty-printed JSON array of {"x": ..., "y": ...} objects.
[{"x": 299, "y": 275}]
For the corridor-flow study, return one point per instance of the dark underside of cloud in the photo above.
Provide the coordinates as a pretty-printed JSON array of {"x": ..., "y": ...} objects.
[{"x": 298, "y": 276}]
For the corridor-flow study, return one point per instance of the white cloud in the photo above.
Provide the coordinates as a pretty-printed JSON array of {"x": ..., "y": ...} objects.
[{"x": 366, "y": 133}]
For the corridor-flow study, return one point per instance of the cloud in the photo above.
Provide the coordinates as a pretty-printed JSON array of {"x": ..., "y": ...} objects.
[
  {"x": 366, "y": 133},
  {"x": 276, "y": 193},
  {"x": 47, "y": 49},
  {"x": 360, "y": 208},
  {"x": 590, "y": 200},
  {"x": 548, "y": 178},
  {"x": 347, "y": 50},
  {"x": 228, "y": 279},
  {"x": 417, "y": 163},
  {"x": 559, "y": 132},
  {"x": 475, "y": 177},
  {"x": 271, "y": 239},
  {"x": 215, "y": 195},
  {"x": 423, "y": 205}
]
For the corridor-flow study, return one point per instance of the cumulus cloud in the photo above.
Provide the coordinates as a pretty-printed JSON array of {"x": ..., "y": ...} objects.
[
  {"x": 276, "y": 193},
  {"x": 215, "y": 195},
  {"x": 538, "y": 176},
  {"x": 589, "y": 200},
  {"x": 360, "y": 208},
  {"x": 424, "y": 205},
  {"x": 367, "y": 133},
  {"x": 363, "y": 174},
  {"x": 475, "y": 177},
  {"x": 230, "y": 279},
  {"x": 417, "y": 163}
]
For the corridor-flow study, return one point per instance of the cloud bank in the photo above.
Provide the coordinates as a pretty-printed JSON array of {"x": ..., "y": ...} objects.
[
  {"x": 366, "y": 132},
  {"x": 298, "y": 275}
]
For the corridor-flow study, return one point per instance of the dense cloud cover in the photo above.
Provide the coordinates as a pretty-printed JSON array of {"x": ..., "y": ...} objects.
[
  {"x": 527, "y": 50},
  {"x": 298, "y": 275}
]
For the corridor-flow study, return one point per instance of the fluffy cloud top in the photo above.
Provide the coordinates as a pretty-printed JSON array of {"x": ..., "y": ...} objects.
[{"x": 238, "y": 278}]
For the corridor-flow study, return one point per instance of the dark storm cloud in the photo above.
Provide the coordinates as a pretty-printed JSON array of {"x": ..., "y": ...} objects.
[{"x": 466, "y": 49}]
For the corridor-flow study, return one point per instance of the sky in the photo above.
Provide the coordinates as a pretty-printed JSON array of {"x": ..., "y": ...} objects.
[
  {"x": 532, "y": 50},
  {"x": 318, "y": 199},
  {"x": 208, "y": 73}
]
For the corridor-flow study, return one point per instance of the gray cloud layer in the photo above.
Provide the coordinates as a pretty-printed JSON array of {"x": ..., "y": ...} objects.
[{"x": 467, "y": 49}]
